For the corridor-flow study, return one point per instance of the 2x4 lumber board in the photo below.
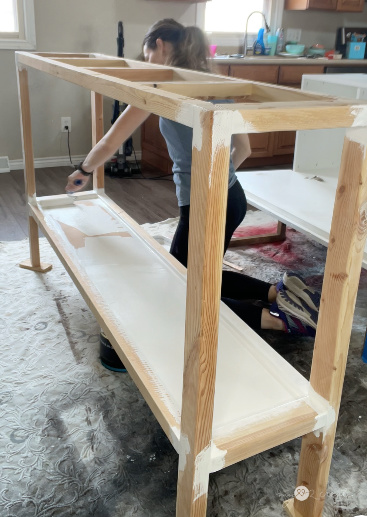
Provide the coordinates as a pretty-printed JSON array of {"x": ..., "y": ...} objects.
[
  {"x": 211, "y": 152},
  {"x": 29, "y": 173},
  {"x": 53, "y": 55},
  {"x": 180, "y": 74},
  {"x": 136, "y": 369},
  {"x": 212, "y": 88},
  {"x": 97, "y": 134},
  {"x": 279, "y": 235},
  {"x": 27, "y": 144},
  {"x": 271, "y": 93},
  {"x": 289, "y": 508},
  {"x": 342, "y": 272},
  {"x": 260, "y": 118},
  {"x": 129, "y": 62},
  {"x": 161, "y": 103},
  {"x": 135, "y": 74},
  {"x": 91, "y": 61},
  {"x": 34, "y": 262},
  {"x": 266, "y": 434}
]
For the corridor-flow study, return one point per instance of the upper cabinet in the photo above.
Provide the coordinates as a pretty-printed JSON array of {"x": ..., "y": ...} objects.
[
  {"x": 326, "y": 5},
  {"x": 350, "y": 5}
]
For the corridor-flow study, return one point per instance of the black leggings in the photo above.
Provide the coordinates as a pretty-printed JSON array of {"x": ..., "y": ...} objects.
[{"x": 237, "y": 289}]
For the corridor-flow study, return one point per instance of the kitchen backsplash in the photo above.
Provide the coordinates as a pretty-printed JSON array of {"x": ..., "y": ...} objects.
[{"x": 321, "y": 26}]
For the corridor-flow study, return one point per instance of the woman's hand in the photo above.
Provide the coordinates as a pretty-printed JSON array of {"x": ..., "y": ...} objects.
[{"x": 76, "y": 181}]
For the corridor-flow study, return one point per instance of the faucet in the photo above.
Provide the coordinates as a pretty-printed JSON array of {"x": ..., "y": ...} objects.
[{"x": 267, "y": 28}]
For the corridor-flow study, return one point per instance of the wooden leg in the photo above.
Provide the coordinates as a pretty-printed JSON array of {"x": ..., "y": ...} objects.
[
  {"x": 280, "y": 235},
  {"x": 34, "y": 263},
  {"x": 204, "y": 274},
  {"x": 97, "y": 134},
  {"x": 342, "y": 273}
]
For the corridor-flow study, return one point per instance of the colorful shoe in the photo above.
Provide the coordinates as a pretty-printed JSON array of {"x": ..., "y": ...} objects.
[
  {"x": 297, "y": 285},
  {"x": 291, "y": 324},
  {"x": 289, "y": 303}
]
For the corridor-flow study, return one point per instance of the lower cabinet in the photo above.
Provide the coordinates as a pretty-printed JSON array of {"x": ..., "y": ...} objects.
[
  {"x": 273, "y": 148},
  {"x": 267, "y": 148},
  {"x": 154, "y": 154}
]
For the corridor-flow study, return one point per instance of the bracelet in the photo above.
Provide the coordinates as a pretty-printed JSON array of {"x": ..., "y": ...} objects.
[{"x": 85, "y": 173}]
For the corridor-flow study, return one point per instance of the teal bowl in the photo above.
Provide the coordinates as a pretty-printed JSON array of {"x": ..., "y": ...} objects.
[
  {"x": 295, "y": 49},
  {"x": 316, "y": 51}
]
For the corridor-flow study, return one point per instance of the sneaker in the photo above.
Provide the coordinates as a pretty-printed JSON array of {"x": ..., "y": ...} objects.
[
  {"x": 289, "y": 303},
  {"x": 297, "y": 285},
  {"x": 292, "y": 325}
]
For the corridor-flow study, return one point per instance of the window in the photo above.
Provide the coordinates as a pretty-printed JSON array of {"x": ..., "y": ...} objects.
[
  {"x": 231, "y": 15},
  {"x": 17, "y": 27},
  {"x": 225, "y": 20}
]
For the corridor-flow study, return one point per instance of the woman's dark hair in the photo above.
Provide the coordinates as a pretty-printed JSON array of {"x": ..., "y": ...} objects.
[{"x": 190, "y": 46}]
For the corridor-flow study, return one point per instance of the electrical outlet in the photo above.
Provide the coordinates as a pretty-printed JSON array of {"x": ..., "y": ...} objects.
[
  {"x": 65, "y": 123},
  {"x": 293, "y": 35}
]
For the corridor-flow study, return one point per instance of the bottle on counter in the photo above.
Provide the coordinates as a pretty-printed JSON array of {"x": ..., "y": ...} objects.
[
  {"x": 280, "y": 40},
  {"x": 259, "y": 46}
]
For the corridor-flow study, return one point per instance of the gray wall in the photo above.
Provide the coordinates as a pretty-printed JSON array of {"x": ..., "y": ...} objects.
[
  {"x": 73, "y": 26},
  {"x": 91, "y": 26}
]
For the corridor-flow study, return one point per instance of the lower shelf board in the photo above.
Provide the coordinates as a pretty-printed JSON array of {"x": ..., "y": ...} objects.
[{"x": 137, "y": 292}]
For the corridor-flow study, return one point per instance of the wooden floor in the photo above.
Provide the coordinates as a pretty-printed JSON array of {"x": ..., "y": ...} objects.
[{"x": 145, "y": 201}]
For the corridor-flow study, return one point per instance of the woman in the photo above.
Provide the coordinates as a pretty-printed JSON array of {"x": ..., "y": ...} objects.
[{"x": 170, "y": 43}]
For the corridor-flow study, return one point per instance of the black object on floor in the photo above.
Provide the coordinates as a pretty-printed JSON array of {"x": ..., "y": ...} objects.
[{"x": 108, "y": 356}]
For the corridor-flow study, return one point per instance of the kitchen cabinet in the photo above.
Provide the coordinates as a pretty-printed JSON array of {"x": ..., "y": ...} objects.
[
  {"x": 291, "y": 75},
  {"x": 221, "y": 69},
  {"x": 264, "y": 74},
  {"x": 262, "y": 144},
  {"x": 350, "y": 5},
  {"x": 266, "y": 148},
  {"x": 153, "y": 146},
  {"x": 301, "y": 5},
  {"x": 325, "y": 5},
  {"x": 273, "y": 148}
]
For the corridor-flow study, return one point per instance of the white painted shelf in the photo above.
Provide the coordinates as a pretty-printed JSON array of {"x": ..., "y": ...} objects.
[
  {"x": 141, "y": 295},
  {"x": 304, "y": 201}
]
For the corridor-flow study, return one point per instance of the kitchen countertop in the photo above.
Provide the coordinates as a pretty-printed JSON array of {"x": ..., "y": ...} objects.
[{"x": 278, "y": 60}]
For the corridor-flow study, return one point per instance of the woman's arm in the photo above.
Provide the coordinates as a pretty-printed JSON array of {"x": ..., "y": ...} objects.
[
  {"x": 129, "y": 120},
  {"x": 241, "y": 149}
]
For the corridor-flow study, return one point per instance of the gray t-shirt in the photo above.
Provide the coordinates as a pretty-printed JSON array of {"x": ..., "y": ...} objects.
[{"x": 179, "y": 144}]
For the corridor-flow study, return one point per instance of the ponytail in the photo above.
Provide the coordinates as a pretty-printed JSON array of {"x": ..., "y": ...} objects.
[{"x": 190, "y": 45}]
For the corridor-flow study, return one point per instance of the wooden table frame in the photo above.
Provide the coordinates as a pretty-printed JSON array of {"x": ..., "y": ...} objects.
[{"x": 183, "y": 96}]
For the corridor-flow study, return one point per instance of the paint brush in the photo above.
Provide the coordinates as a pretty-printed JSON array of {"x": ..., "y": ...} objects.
[{"x": 77, "y": 183}]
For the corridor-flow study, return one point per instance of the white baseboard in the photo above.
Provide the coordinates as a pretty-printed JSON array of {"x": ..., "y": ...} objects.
[
  {"x": 56, "y": 161},
  {"x": 4, "y": 164}
]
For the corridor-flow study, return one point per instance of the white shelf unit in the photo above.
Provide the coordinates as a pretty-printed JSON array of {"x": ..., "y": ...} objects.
[
  {"x": 168, "y": 326},
  {"x": 142, "y": 297},
  {"x": 303, "y": 197}
]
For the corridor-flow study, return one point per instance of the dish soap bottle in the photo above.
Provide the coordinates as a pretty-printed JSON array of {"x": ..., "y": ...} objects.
[
  {"x": 280, "y": 40},
  {"x": 259, "y": 47}
]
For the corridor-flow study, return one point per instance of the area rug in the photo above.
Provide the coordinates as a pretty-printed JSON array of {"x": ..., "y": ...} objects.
[{"x": 79, "y": 440}]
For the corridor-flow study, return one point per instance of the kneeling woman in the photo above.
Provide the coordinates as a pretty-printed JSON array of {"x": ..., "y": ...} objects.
[{"x": 170, "y": 43}]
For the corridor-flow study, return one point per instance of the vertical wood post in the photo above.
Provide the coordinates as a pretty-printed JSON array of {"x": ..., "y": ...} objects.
[
  {"x": 34, "y": 262},
  {"x": 209, "y": 191},
  {"x": 97, "y": 134},
  {"x": 342, "y": 273}
]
